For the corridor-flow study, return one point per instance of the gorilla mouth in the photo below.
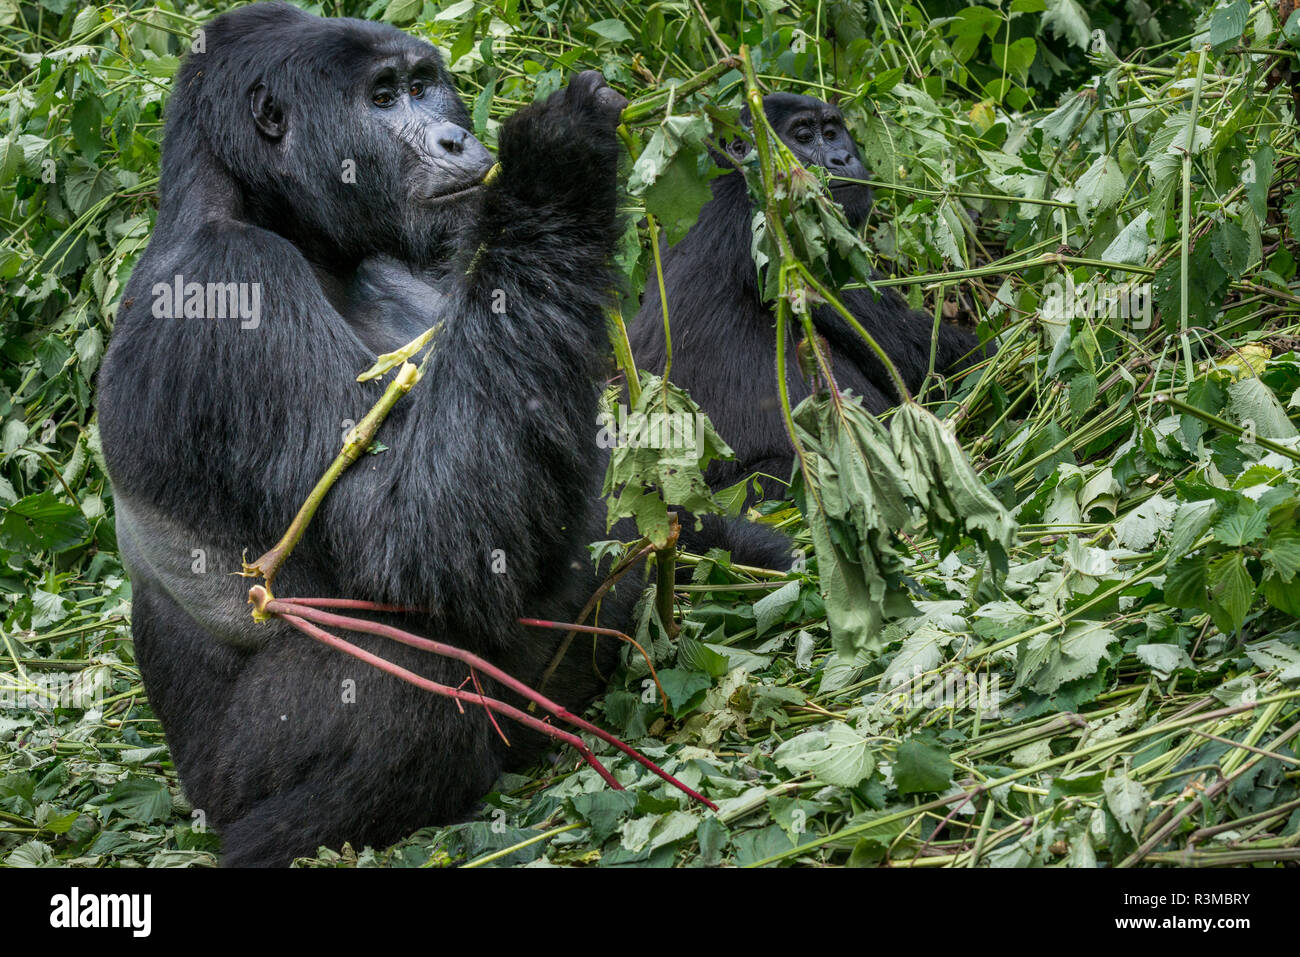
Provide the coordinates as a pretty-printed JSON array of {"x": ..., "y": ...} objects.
[{"x": 436, "y": 198}]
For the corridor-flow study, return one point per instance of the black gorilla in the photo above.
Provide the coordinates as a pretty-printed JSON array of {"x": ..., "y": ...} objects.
[
  {"x": 320, "y": 172},
  {"x": 724, "y": 352}
]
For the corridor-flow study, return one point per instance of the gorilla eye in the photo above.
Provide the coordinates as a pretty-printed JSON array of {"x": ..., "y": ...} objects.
[
  {"x": 830, "y": 133},
  {"x": 383, "y": 98},
  {"x": 417, "y": 89},
  {"x": 803, "y": 135}
]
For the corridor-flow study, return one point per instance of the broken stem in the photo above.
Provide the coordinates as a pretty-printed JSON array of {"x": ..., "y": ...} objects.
[
  {"x": 356, "y": 442},
  {"x": 300, "y": 614}
]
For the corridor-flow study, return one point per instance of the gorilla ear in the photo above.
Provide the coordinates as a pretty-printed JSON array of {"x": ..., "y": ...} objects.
[{"x": 267, "y": 113}]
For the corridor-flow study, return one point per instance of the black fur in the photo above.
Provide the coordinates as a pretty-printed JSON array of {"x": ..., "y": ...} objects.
[
  {"x": 724, "y": 351},
  {"x": 214, "y": 433}
]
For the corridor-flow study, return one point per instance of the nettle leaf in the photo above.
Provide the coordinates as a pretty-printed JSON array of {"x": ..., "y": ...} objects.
[
  {"x": 1100, "y": 187},
  {"x": 1191, "y": 521},
  {"x": 658, "y": 452},
  {"x": 613, "y": 31},
  {"x": 1045, "y": 662},
  {"x": 670, "y": 137},
  {"x": 87, "y": 118},
  {"x": 1164, "y": 660},
  {"x": 921, "y": 651},
  {"x": 956, "y": 502},
  {"x": 1255, "y": 408},
  {"x": 921, "y": 765},
  {"x": 685, "y": 689},
  {"x": 1231, "y": 247},
  {"x": 42, "y": 523},
  {"x": 1273, "y": 655},
  {"x": 1241, "y": 526},
  {"x": 856, "y": 499},
  {"x": 1282, "y": 552},
  {"x": 676, "y": 196},
  {"x": 1291, "y": 207},
  {"x": 1229, "y": 589},
  {"x": 404, "y": 11},
  {"x": 1227, "y": 24},
  {"x": 602, "y": 810},
  {"x": 1140, "y": 526},
  {"x": 142, "y": 800},
  {"x": 1133, "y": 242},
  {"x": 1127, "y": 800},
  {"x": 453, "y": 12},
  {"x": 1067, "y": 19},
  {"x": 1257, "y": 175},
  {"x": 835, "y": 754},
  {"x": 770, "y": 609},
  {"x": 667, "y": 173}
]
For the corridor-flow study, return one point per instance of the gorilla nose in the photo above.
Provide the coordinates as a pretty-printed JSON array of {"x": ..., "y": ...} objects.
[
  {"x": 454, "y": 147},
  {"x": 841, "y": 160},
  {"x": 452, "y": 139},
  {"x": 448, "y": 138}
]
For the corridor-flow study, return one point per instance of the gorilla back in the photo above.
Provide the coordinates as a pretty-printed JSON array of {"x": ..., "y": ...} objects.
[{"x": 297, "y": 150}]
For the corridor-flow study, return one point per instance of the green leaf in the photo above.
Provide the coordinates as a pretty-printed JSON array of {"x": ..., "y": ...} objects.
[
  {"x": 685, "y": 689},
  {"x": 1046, "y": 661},
  {"x": 615, "y": 31},
  {"x": 1100, "y": 187},
  {"x": 1164, "y": 660},
  {"x": 1066, "y": 19},
  {"x": 1127, "y": 800},
  {"x": 920, "y": 766},
  {"x": 1230, "y": 589},
  {"x": 1191, "y": 521},
  {"x": 454, "y": 12},
  {"x": 1227, "y": 24},
  {"x": 87, "y": 119},
  {"x": 676, "y": 197},
  {"x": 770, "y": 609},
  {"x": 404, "y": 11},
  {"x": 1242, "y": 526},
  {"x": 837, "y": 755},
  {"x": 142, "y": 800},
  {"x": 42, "y": 523},
  {"x": 1254, "y": 407},
  {"x": 1231, "y": 248}
]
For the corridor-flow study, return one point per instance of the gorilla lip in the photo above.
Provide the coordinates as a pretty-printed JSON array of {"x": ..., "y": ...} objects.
[{"x": 463, "y": 191}]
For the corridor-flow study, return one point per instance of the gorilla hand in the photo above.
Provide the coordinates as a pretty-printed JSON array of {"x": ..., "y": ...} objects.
[{"x": 563, "y": 152}]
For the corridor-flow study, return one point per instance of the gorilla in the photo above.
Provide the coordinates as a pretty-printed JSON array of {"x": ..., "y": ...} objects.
[
  {"x": 724, "y": 351},
  {"x": 323, "y": 200}
]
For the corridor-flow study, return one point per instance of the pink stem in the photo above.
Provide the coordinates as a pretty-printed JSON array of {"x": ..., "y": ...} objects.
[
  {"x": 492, "y": 704},
  {"x": 355, "y": 604},
  {"x": 289, "y": 606}
]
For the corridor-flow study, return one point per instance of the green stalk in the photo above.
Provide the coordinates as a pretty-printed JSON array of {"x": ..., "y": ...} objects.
[
  {"x": 1185, "y": 238},
  {"x": 356, "y": 443}
]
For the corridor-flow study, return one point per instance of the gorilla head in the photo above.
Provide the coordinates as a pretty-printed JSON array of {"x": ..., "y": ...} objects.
[
  {"x": 815, "y": 132},
  {"x": 266, "y": 97}
]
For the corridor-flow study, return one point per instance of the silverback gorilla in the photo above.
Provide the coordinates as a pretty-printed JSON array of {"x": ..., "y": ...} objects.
[
  {"x": 323, "y": 169},
  {"x": 723, "y": 331}
]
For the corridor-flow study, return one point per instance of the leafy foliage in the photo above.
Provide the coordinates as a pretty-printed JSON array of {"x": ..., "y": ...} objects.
[{"x": 1127, "y": 692}]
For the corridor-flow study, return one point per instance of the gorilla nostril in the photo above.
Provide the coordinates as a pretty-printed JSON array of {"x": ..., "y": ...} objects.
[{"x": 452, "y": 144}]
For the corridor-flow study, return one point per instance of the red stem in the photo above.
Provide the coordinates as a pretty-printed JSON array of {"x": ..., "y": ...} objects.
[
  {"x": 289, "y": 608},
  {"x": 492, "y": 704}
]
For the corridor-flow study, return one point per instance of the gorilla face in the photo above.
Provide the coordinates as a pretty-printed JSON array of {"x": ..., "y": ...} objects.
[
  {"x": 410, "y": 101},
  {"x": 357, "y": 143},
  {"x": 816, "y": 134}
]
